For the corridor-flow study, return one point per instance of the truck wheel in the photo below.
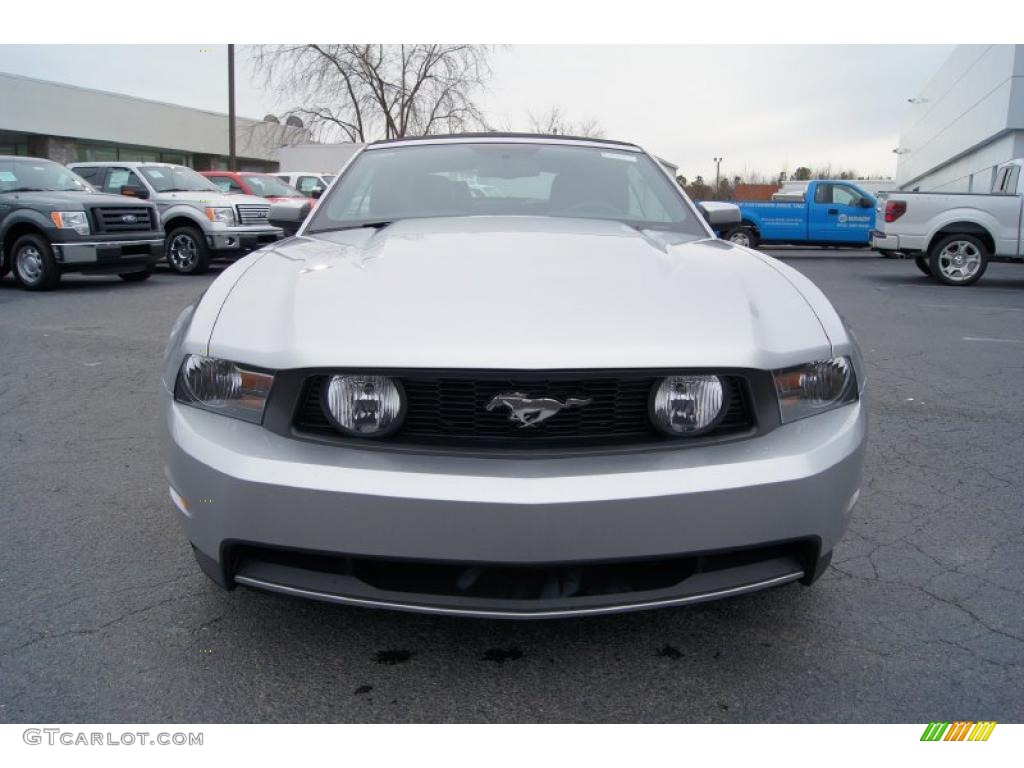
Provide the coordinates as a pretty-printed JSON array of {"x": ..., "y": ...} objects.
[
  {"x": 958, "y": 260},
  {"x": 138, "y": 277},
  {"x": 744, "y": 236},
  {"x": 186, "y": 251},
  {"x": 922, "y": 264},
  {"x": 34, "y": 266}
]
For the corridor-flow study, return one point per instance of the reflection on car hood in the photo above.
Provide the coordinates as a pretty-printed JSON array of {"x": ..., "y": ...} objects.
[
  {"x": 514, "y": 292},
  {"x": 68, "y": 200},
  {"x": 215, "y": 199}
]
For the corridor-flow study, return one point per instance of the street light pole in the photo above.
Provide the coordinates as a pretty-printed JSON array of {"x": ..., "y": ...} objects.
[
  {"x": 232, "y": 160},
  {"x": 718, "y": 172}
]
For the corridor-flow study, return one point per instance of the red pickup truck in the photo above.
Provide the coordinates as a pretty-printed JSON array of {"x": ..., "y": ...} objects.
[{"x": 251, "y": 183}]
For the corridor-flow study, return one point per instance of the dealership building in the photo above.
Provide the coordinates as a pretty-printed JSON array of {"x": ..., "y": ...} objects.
[
  {"x": 66, "y": 123},
  {"x": 965, "y": 122}
]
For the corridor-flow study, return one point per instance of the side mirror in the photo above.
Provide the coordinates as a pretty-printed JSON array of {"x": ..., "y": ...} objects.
[
  {"x": 720, "y": 214},
  {"x": 140, "y": 192},
  {"x": 316, "y": 192},
  {"x": 289, "y": 216}
]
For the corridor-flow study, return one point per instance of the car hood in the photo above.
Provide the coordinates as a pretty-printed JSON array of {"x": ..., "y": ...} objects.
[
  {"x": 214, "y": 199},
  {"x": 67, "y": 200},
  {"x": 515, "y": 293}
]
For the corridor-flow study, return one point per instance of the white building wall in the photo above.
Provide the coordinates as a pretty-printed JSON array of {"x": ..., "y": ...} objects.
[
  {"x": 322, "y": 158},
  {"x": 968, "y": 119},
  {"x": 41, "y": 107}
]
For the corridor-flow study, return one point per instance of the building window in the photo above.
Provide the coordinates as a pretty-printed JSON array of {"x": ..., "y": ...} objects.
[{"x": 174, "y": 158}]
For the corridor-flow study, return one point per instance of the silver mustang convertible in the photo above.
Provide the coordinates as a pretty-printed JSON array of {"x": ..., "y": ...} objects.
[{"x": 516, "y": 377}]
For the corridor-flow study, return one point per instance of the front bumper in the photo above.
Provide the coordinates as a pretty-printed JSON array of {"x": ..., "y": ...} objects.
[
  {"x": 239, "y": 486},
  {"x": 241, "y": 240},
  {"x": 108, "y": 254}
]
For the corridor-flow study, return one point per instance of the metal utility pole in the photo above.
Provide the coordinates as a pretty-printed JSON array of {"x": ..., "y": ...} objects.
[
  {"x": 232, "y": 160},
  {"x": 718, "y": 171}
]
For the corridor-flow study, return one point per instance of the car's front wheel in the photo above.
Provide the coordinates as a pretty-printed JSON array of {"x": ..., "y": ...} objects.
[
  {"x": 922, "y": 264},
  {"x": 744, "y": 236},
  {"x": 35, "y": 269},
  {"x": 958, "y": 260},
  {"x": 186, "y": 251}
]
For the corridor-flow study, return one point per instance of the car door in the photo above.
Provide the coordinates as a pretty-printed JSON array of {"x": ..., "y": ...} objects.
[
  {"x": 124, "y": 181},
  {"x": 839, "y": 214}
]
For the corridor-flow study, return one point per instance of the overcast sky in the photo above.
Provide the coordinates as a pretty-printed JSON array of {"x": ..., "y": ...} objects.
[{"x": 762, "y": 108}]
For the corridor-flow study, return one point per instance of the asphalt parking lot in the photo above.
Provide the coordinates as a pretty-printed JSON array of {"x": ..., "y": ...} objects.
[{"x": 105, "y": 616}]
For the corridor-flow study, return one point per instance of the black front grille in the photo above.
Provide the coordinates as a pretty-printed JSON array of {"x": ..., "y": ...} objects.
[
  {"x": 123, "y": 219},
  {"x": 451, "y": 411}
]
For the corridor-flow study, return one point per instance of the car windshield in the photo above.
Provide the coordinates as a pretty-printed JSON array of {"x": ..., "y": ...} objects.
[
  {"x": 265, "y": 185},
  {"x": 505, "y": 179},
  {"x": 32, "y": 175},
  {"x": 176, "y": 178}
]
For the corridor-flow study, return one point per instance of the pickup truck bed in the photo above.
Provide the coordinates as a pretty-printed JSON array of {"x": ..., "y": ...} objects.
[{"x": 954, "y": 235}]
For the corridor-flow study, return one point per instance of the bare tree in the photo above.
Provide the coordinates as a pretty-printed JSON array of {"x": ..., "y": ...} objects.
[
  {"x": 555, "y": 122},
  {"x": 364, "y": 92}
]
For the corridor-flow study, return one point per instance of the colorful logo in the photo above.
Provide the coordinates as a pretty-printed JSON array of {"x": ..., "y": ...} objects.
[{"x": 961, "y": 730}]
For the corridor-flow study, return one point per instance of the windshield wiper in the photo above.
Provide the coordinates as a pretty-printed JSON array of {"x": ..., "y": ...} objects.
[
  {"x": 29, "y": 189},
  {"x": 378, "y": 225}
]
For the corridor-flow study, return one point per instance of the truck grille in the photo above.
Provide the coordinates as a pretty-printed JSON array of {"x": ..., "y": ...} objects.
[
  {"x": 253, "y": 214},
  {"x": 134, "y": 218},
  {"x": 451, "y": 411}
]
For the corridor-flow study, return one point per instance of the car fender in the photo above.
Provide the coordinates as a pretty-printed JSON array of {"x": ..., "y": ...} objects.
[
  {"x": 965, "y": 215},
  {"x": 184, "y": 211},
  {"x": 23, "y": 216}
]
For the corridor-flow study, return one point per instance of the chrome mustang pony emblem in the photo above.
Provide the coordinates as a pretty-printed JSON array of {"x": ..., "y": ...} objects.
[{"x": 528, "y": 411}]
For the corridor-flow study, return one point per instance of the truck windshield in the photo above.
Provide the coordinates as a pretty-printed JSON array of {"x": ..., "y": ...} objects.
[
  {"x": 270, "y": 186},
  {"x": 31, "y": 175},
  {"x": 176, "y": 178},
  {"x": 504, "y": 179}
]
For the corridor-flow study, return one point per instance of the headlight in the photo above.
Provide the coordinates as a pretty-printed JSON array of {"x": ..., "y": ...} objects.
[
  {"x": 221, "y": 215},
  {"x": 364, "y": 406},
  {"x": 815, "y": 387},
  {"x": 223, "y": 387},
  {"x": 75, "y": 220},
  {"x": 688, "y": 405}
]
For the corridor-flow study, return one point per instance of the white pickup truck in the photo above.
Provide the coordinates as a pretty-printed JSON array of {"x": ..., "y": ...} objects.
[{"x": 952, "y": 236}]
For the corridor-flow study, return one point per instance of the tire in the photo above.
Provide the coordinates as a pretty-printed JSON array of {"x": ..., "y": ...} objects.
[
  {"x": 744, "y": 236},
  {"x": 923, "y": 265},
  {"x": 958, "y": 260},
  {"x": 34, "y": 267},
  {"x": 138, "y": 277},
  {"x": 186, "y": 251}
]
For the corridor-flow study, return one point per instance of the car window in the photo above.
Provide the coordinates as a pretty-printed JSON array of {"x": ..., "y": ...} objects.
[
  {"x": 266, "y": 185},
  {"x": 33, "y": 174},
  {"x": 92, "y": 174},
  {"x": 516, "y": 179},
  {"x": 843, "y": 195},
  {"x": 222, "y": 182},
  {"x": 1008, "y": 180},
  {"x": 176, "y": 178},
  {"x": 643, "y": 203},
  {"x": 121, "y": 177},
  {"x": 307, "y": 184}
]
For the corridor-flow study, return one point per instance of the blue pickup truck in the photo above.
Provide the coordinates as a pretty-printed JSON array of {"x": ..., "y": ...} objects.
[{"x": 829, "y": 213}]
